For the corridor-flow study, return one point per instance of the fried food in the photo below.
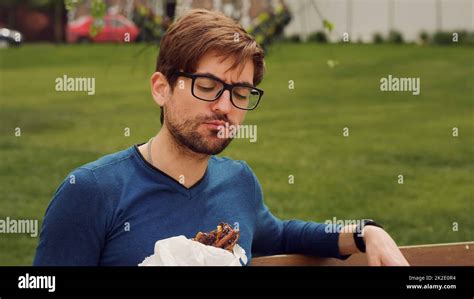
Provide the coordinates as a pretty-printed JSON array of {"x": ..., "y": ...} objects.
[{"x": 224, "y": 237}]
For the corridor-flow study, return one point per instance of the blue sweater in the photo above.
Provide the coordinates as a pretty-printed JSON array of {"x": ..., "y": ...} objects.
[{"x": 113, "y": 210}]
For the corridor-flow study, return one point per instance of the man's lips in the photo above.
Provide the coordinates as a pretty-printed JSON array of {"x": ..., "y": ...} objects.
[{"x": 216, "y": 123}]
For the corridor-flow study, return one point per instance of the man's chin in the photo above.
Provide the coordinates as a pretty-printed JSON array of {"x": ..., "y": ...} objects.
[
  {"x": 206, "y": 142},
  {"x": 213, "y": 144},
  {"x": 215, "y": 147}
]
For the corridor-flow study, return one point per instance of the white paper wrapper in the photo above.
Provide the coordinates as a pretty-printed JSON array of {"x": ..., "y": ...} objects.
[{"x": 181, "y": 251}]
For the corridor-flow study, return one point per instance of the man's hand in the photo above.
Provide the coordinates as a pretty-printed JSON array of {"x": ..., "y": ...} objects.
[{"x": 380, "y": 248}]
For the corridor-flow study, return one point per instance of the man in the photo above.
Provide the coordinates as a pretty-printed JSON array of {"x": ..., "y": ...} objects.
[{"x": 117, "y": 207}]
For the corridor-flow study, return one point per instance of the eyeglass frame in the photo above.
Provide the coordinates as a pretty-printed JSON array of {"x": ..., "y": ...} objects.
[{"x": 226, "y": 86}]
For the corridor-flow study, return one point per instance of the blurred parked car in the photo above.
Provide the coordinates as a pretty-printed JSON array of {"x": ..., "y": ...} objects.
[
  {"x": 9, "y": 37},
  {"x": 114, "y": 30}
]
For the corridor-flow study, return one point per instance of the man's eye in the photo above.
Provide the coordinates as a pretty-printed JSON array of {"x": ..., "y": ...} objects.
[
  {"x": 241, "y": 93},
  {"x": 206, "y": 88},
  {"x": 239, "y": 96}
]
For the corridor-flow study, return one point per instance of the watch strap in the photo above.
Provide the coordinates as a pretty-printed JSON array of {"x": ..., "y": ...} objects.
[{"x": 358, "y": 234}]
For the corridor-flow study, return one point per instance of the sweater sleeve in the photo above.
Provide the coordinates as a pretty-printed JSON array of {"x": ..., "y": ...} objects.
[
  {"x": 74, "y": 227},
  {"x": 274, "y": 236}
]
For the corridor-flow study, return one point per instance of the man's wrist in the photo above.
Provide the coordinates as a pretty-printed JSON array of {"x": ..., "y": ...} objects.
[{"x": 360, "y": 233}]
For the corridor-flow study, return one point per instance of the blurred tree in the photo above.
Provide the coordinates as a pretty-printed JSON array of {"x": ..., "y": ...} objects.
[{"x": 56, "y": 6}]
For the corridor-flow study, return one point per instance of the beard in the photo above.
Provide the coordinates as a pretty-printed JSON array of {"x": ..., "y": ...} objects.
[{"x": 186, "y": 134}]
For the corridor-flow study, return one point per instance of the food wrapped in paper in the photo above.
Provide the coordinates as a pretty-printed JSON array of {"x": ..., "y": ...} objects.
[{"x": 216, "y": 248}]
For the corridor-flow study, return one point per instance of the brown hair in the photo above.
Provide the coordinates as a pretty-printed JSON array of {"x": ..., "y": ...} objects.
[{"x": 195, "y": 34}]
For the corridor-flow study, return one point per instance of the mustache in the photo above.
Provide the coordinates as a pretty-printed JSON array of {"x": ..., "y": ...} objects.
[{"x": 217, "y": 117}]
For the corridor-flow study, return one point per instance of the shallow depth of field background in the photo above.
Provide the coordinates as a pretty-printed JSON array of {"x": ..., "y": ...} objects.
[{"x": 299, "y": 132}]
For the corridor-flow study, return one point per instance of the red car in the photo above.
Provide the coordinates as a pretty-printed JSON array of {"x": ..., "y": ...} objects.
[{"x": 117, "y": 28}]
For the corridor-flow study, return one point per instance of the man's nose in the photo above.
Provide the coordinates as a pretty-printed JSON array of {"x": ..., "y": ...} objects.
[{"x": 223, "y": 103}]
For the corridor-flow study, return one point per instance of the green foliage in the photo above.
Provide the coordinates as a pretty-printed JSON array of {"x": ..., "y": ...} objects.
[
  {"x": 294, "y": 38},
  {"x": 377, "y": 38},
  {"x": 448, "y": 37},
  {"x": 151, "y": 25},
  {"x": 424, "y": 37},
  {"x": 71, "y": 4},
  {"x": 395, "y": 37},
  {"x": 328, "y": 25},
  {"x": 269, "y": 26},
  {"x": 98, "y": 9},
  {"x": 318, "y": 37},
  {"x": 443, "y": 38},
  {"x": 41, "y": 3},
  {"x": 466, "y": 38}
]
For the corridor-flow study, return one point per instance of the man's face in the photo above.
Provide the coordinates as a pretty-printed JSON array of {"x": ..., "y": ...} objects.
[{"x": 195, "y": 123}]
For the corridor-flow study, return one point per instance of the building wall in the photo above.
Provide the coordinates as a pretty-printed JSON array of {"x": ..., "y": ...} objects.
[{"x": 362, "y": 18}]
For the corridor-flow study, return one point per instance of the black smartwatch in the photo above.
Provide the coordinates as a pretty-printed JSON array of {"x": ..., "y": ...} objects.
[{"x": 358, "y": 239}]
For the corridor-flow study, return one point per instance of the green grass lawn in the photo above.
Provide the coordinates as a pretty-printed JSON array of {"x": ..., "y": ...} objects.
[{"x": 299, "y": 133}]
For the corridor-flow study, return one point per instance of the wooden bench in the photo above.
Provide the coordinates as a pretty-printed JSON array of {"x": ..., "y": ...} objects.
[{"x": 449, "y": 254}]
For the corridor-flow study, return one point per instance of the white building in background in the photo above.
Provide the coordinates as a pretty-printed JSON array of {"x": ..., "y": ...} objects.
[{"x": 362, "y": 18}]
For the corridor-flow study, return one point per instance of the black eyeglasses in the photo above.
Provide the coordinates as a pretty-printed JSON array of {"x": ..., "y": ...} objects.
[{"x": 209, "y": 88}]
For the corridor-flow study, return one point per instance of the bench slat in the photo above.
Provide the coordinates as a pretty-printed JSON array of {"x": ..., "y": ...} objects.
[{"x": 449, "y": 254}]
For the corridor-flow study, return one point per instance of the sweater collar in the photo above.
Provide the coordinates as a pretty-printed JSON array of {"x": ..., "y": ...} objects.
[{"x": 163, "y": 177}]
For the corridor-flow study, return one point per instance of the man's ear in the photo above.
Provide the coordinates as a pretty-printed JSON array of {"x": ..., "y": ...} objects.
[{"x": 160, "y": 88}]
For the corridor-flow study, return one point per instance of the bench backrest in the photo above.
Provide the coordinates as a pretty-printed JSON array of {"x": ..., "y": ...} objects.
[{"x": 449, "y": 254}]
